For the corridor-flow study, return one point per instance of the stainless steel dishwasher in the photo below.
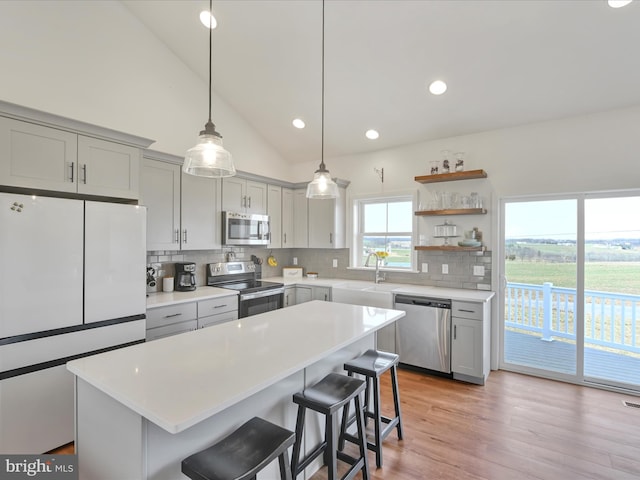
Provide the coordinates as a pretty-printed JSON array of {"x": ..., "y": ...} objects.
[{"x": 423, "y": 336}]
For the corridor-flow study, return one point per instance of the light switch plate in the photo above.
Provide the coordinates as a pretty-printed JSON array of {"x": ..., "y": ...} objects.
[
  {"x": 445, "y": 268},
  {"x": 335, "y": 263},
  {"x": 478, "y": 270},
  {"x": 295, "y": 260},
  {"x": 425, "y": 268}
]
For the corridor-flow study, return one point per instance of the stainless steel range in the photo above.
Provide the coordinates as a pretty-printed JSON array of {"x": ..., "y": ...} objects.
[{"x": 255, "y": 296}]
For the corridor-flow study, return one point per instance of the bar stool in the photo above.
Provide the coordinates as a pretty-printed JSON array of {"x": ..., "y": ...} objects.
[
  {"x": 327, "y": 397},
  {"x": 243, "y": 453},
  {"x": 372, "y": 364}
]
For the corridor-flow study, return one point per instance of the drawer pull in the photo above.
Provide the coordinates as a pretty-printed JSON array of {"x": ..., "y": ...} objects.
[
  {"x": 468, "y": 311},
  {"x": 220, "y": 306},
  {"x": 174, "y": 315}
]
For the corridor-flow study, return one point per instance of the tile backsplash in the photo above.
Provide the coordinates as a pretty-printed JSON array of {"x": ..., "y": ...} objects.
[{"x": 460, "y": 265}]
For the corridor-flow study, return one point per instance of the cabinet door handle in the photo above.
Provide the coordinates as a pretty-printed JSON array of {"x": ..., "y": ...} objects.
[
  {"x": 249, "y": 206},
  {"x": 184, "y": 235},
  {"x": 244, "y": 201},
  {"x": 173, "y": 315},
  {"x": 72, "y": 165},
  {"x": 177, "y": 235},
  {"x": 84, "y": 173},
  {"x": 285, "y": 238},
  {"x": 331, "y": 238},
  {"x": 326, "y": 297},
  {"x": 455, "y": 331}
]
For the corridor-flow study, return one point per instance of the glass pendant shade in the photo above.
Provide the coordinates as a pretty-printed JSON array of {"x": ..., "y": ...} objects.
[
  {"x": 209, "y": 158},
  {"x": 322, "y": 186}
]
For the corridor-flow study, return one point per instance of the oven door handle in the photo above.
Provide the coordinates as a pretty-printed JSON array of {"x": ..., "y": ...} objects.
[{"x": 263, "y": 293}]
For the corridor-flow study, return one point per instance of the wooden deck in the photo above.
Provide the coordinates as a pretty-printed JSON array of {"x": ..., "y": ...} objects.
[{"x": 560, "y": 356}]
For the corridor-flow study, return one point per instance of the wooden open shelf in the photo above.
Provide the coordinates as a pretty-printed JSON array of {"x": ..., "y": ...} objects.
[
  {"x": 453, "y": 211},
  {"x": 449, "y": 177},
  {"x": 450, "y": 248}
]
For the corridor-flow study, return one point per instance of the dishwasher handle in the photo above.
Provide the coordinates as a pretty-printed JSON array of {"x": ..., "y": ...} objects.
[{"x": 423, "y": 302}]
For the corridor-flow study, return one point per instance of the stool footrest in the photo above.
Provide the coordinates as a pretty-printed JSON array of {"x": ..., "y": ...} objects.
[{"x": 354, "y": 469}]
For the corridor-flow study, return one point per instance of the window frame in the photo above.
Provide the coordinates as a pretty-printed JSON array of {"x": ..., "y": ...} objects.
[{"x": 357, "y": 227}]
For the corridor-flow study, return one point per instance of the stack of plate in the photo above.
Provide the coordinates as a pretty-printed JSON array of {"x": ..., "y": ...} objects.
[{"x": 467, "y": 242}]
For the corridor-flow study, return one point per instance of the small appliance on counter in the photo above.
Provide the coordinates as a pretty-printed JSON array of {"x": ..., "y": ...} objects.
[{"x": 185, "y": 279}]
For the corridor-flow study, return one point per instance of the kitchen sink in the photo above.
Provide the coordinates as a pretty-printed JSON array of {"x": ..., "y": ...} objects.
[
  {"x": 381, "y": 287},
  {"x": 366, "y": 296}
]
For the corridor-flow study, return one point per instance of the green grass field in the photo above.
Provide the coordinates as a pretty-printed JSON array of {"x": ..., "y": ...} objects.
[{"x": 620, "y": 277}]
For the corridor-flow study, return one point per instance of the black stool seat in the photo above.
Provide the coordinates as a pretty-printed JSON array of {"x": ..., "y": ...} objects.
[
  {"x": 327, "y": 397},
  {"x": 372, "y": 364},
  {"x": 242, "y": 454}
]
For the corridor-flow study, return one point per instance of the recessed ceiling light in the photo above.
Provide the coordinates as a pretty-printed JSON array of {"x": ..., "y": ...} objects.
[
  {"x": 208, "y": 20},
  {"x": 298, "y": 123},
  {"x": 438, "y": 87},
  {"x": 372, "y": 134},
  {"x": 619, "y": 3}
]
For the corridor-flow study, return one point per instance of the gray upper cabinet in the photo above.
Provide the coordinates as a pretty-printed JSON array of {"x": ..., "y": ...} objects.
[
  {"x": 327, "y": 223},
  {"x": 183, "y": 211},
  {"x": 160, "y": 193},
  {"x": 300, "y": 218},
  {"x": 244, "y": 196},
  {"x": 41, "y": 157},
  {"x": 287, "y": 218},
  {"x": 274, "y": 210}
]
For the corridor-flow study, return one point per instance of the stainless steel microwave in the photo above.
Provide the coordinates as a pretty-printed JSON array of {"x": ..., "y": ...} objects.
[{"x": 245, "y": 229}]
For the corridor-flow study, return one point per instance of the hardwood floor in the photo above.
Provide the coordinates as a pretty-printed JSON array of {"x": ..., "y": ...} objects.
[{"x": 514, "y": 427}]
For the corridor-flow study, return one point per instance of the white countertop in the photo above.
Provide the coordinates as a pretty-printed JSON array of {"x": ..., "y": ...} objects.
[
  {"x": 175, "y": 382},
  {"x": 460, "y": 294},
  {"x": 162, "y": 299}
]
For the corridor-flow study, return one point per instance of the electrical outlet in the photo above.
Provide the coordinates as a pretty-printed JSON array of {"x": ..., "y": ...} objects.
[
  {"x": 478, "y": 270},
  {"x": 295, "y": 260},
  {"x": 335, "y": 263},
  {"x": 445, "y": 269},
  {"x": 425, "y": 268}
]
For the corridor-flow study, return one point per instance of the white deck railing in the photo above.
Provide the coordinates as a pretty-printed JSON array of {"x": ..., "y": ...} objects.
[{"x": 611, "y": 319}]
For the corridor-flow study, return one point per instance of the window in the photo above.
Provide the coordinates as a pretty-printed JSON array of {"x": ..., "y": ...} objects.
[{"x": 384, "y": 225}]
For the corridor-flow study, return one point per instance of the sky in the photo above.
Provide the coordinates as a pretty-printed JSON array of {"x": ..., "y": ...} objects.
[{"x": 605, "y": 218}]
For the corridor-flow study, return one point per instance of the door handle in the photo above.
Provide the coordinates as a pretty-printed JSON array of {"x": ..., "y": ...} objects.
[
  {"x": 84, "y": 173},
  {"x": 184, "y": 235},
  {"x": 72, "y": 165},
  {"x": 177, "y": 235},
  {"x": 249, "y": 202},
  {"x": 455, "y": 331},
  {"x": 331, "y": 238},
  {"x": 285, "y": 238}
]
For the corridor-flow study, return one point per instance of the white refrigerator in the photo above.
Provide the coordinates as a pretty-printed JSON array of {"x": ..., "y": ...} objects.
[{"x": 72, "y": 283}]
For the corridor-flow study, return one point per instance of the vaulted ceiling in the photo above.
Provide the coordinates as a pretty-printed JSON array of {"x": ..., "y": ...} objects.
[{"x": 506, "y": 63}]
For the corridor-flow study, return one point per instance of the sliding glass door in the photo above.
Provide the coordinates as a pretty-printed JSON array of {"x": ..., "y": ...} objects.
[
  {"x": 612, "y": 290},
  {"x": 572, "y": 288}
]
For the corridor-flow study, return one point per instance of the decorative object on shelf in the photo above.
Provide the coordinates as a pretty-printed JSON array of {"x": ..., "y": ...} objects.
[
  {"x": 445, "y": 161},
  {"x": 434, "y": 168},
  {"x": 209, "y": 158},
  {"x": 446, "y": 231},
  {"x": 322, "y": 186},
  {"x": 459, "y": 161}
]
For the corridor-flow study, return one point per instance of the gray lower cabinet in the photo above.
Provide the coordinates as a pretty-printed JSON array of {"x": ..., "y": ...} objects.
[
  {"x": 184, "y": 317},
  {"x": 470, "y": 341},
  {"x": 289, "y": 296}
]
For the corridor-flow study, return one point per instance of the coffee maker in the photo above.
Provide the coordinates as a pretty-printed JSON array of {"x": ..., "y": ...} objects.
[{"x": 185, "y": 279}]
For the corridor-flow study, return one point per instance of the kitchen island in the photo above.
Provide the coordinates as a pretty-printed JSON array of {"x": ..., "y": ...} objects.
[{"x": 142, "y": 409}]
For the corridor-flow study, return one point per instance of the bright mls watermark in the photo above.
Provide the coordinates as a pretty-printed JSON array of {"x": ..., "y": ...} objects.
[{"x": 50, "y": 467}]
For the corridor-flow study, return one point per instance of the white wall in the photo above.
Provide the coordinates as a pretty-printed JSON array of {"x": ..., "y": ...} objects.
[
  {"x": 587, "y": 153},
  {"x": 94, "y": 62}
]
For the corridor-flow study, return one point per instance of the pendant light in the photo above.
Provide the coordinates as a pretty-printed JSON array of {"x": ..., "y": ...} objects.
[
  {"x": 322, "y": 186},
  {"x": 209, "y": 158}
]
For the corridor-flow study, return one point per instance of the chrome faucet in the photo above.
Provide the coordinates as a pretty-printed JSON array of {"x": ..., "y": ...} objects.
[{"x": 379, "y": 275}]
